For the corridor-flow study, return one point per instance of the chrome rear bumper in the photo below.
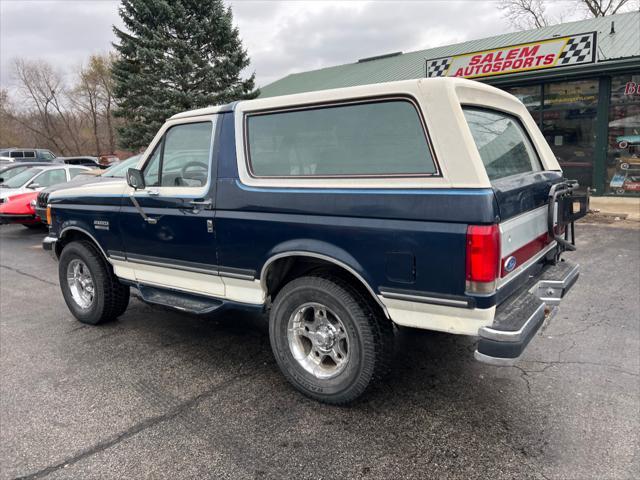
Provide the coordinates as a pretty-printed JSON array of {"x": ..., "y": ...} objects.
[{"x": 520, "y": 316}]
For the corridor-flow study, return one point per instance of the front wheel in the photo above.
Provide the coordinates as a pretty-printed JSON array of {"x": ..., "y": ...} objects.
[
  {"x": 90, "y": 289},
  {"x": 328, "y": 340}
]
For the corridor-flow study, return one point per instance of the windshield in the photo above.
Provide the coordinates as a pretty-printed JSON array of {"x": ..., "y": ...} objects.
[
  {"x": 22, "y": 178},
  {"x": 120, "y": 170},
  {"x": 11, "y": 172}
]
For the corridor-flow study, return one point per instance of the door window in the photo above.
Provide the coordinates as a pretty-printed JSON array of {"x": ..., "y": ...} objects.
[
  {"x": 29, "y": 154},
  {"x": 74, "y": 172},
  {"x": 182, "y": 157},
  {"x": 51, "y": 177},
  {"x": 152, "y": 168},
  {"x": 17, "y": 154}
]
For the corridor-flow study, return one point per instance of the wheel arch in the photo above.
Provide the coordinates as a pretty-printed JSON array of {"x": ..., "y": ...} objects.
[
  {"x": 74, "y": 233},
  {"x": 285, "y": 260}
]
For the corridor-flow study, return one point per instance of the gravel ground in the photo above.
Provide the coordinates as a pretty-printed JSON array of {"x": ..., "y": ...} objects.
[{"x": 160, "y": 394}]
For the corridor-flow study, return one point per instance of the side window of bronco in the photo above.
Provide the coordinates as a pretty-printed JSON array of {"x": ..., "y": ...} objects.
[
  {"x": 181, "y": 159},
  {"x": 376, "y": 138},
  {"x": 503, "y": 144}
]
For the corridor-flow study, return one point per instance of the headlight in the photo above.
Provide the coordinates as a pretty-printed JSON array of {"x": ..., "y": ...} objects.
[{"x": 32, "y": 203}]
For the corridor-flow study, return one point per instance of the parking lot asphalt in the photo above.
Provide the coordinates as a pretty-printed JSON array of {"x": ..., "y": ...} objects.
[{"x": 161, "y": 394}]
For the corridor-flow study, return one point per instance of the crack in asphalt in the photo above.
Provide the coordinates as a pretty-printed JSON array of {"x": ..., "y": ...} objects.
[
  {"x": 581, "y": 330},
  {"x": 141, "y": 426},
  {"x": 20, "y": 272},
  {"x": 523, "y": 375},
  {"x": 557, "y": 362}
]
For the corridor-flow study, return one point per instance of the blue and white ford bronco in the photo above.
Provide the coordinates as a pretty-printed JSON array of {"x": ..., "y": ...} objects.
[{"x": 432, "y": 203}]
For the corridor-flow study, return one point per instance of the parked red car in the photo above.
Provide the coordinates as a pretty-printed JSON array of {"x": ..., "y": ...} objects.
[{"x": 21, "y": 209}]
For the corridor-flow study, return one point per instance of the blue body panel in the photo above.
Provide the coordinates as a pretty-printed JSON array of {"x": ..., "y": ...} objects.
[
  {"x": 81, "y": 212},
  {"x": 180, "y": 234},
  {"x": 519, "y": 193}
]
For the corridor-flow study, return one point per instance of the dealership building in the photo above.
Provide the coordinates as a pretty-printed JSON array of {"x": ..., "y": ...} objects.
[{"x": 579, "y": 80}]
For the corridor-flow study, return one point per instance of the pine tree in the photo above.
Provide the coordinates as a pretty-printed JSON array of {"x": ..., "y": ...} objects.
[{"x": 175, "y": 55}]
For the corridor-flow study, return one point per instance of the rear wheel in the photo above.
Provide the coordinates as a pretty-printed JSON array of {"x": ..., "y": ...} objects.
[
  {"x": 90, "y": 289},
  {"x": 328, "y": 339}
]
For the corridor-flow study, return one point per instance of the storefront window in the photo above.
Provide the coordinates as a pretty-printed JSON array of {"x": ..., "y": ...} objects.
[
  {"x": 623, "y": 155},
  {"x": 531, "y": 96},
  {"x": 569, "y": 126}
]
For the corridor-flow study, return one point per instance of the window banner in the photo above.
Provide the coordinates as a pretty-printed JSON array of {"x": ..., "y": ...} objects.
[{"x": 552, "y": 53}]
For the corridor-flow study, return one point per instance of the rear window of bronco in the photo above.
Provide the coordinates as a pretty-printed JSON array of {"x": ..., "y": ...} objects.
[
  {"x": 381, "y": 138},
  {"x": 502, "y": 142}
]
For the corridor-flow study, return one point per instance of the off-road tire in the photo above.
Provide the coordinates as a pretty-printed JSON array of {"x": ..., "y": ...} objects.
[
  {"x": 111, "y": 298},
  {"x": 371, "y": 338}
]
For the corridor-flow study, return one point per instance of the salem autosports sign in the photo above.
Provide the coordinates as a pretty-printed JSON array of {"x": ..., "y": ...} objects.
[{"x": 551, "y": 53}]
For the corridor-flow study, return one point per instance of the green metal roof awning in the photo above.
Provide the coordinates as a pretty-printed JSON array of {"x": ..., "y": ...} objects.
[{"x": 614, "y": 51}]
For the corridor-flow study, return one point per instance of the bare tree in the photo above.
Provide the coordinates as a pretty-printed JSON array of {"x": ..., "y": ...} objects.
[
  {"x": 86, "y": 98},
  {"x": 70, "y": 114},
  {"x": 102, "y": 66},
  {"x": 93, "y": 97},
  {"x": 9, "y": 130},
  {"x": 45, "y": 109},
  {"x": 525, "y": 14},
  {"x": 602, "y": 8}
]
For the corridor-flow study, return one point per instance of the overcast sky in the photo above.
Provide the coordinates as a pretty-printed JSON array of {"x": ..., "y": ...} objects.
[{"x": 281, "y": 37}]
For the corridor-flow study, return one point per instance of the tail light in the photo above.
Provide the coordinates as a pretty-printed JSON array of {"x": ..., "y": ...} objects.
[{"x": 483, "y": 258}]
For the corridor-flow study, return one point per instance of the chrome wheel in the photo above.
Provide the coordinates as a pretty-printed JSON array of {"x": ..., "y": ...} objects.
[
  {"x": 318, "y": 340},
  {"x": 80, "y": 283}
]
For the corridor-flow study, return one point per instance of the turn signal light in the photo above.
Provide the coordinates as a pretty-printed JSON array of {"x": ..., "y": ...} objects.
[
  {"x": 48, "y": 215},
  {"x": 483, "y": 258}
]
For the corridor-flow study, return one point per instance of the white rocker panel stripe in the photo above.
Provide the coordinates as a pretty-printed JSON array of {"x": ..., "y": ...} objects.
[
  {"x": 225, "y": 288},
  {"x": 461, "y": 321}
]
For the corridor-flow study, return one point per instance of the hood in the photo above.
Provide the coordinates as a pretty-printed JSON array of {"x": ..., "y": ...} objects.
[
  {"x": 19, "y": 203},
  {"x": 81, "y": 181}
]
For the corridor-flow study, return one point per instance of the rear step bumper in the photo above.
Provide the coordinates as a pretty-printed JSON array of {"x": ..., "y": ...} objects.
[{"x": 519, "y": 317}]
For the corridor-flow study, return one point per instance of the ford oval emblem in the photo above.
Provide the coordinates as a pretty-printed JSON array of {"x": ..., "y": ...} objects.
[{"x": 510, "y": 263}]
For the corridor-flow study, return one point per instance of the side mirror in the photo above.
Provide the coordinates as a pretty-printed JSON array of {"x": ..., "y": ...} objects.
[
  {"x": 135, "y": 179},
  {"x": 33, "y": 186}
]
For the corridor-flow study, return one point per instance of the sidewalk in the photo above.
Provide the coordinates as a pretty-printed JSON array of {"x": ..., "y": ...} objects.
[{"x": 625, "y": 208}]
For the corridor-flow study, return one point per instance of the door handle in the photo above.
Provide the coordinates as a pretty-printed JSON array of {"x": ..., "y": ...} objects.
[
  {"x": 201, "y": 204},
  {"x": 152, "y": 193}
]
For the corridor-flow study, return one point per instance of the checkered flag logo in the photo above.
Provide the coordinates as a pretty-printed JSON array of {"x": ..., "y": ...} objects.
[
  {"x": 437, "y": 68},
  {"x": 577, "y": 50}
]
